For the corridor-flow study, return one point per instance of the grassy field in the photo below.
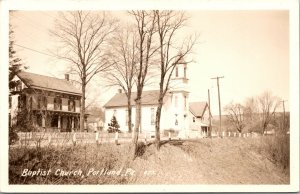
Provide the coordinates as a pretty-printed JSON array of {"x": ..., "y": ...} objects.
[{"x": 260, "y": 160}]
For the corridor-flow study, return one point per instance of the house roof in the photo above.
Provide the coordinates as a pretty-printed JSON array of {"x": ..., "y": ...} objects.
[
  {"x": 198, "y": 108},
  {"x": 93, "y": 119},
  {"x": 47, "y": 83},
  {"x": 120, "y": 99}
]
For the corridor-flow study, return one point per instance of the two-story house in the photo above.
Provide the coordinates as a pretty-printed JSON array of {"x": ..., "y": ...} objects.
[
  {"x": 199, "y": 117},
  {"x": 53, "y": 103}
]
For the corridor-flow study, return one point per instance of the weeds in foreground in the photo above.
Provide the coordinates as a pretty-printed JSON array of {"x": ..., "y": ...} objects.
[{"x": 68, "y": 165}]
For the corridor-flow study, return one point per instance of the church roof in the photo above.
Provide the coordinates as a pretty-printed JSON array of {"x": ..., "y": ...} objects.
[
  {"x": 198, "y": 108},
  {"x": 47, "y": 83},
  {"x": 120, "y": 99}
]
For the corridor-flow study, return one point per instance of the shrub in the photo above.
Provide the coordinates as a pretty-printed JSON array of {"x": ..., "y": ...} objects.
[
  {"x": 13, "y": 137},
  {"x": 278, "y": 148},
  {"x": 113, "y": 126}
]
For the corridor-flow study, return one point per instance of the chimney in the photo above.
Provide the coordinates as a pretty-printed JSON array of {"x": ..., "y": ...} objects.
[
  {"x": 119, "y": 91},
  {"x": 67, "y": 76}
]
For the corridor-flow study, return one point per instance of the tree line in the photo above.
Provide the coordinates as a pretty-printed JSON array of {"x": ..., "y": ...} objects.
[{"x": 258, "y": 114}]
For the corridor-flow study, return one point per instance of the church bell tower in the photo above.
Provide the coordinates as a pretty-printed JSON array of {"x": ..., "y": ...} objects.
[{"x": 179, "y": 90}]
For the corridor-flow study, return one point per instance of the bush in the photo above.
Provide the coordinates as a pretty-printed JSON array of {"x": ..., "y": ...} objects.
[
  {"x": 13, "y": 137},
  {"x": 278, "y": 148},
  {"x": 113, "y": 126}
]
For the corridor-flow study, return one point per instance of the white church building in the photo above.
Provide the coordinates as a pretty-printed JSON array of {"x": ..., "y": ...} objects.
[{"x": 188, "y": 119}]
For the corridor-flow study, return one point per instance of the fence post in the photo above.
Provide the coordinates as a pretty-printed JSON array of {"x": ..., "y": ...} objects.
[
  {"x": 97, "y": 137},
  {"x": 169, "y": 136},
  {"x": 74, "y": 139},
  {"x": 49, "y": 138},
  {"x": 223, "y": 134},
  {"x": 228, "y": 133},
  {"x": 116, "y": 138},
  {"x": 240, "y": 134},
  {"x": 145, "y": 137}
]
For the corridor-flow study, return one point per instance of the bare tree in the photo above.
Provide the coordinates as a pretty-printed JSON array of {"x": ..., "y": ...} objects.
[
  {"x": 145, "y": 26},
  {"x": 124, "y": 57},
  {"x": 236, "y": 115},
  {"x": 83, "y": 37},
  {"x": 267, "y": 105},
  {"x": 171, "y": 53},
  {"x": 251, "y": 114}
]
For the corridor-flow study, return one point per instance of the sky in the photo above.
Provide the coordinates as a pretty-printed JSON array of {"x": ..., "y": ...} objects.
[{"x": 249, "y": 48}]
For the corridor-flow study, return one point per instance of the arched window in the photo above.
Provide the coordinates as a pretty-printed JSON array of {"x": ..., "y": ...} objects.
[
  {"x": 152, "y": 116},
  {"x": 176, "y": 101}
]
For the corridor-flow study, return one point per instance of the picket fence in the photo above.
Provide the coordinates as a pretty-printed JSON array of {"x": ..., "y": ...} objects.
[{"x": 73, "y": 138}]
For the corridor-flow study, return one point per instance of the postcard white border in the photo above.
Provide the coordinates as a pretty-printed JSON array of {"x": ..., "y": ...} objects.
[{"x": 291, "y": 5}]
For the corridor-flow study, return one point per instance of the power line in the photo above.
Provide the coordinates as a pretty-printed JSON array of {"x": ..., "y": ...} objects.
[{"x": 34, "y": 50}]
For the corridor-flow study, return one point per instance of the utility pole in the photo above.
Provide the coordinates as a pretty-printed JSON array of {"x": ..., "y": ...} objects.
[
  {"x": 210, "y": 129},
  {"x": 217, "y": 78},
  {"x": 283, "y": 122}
]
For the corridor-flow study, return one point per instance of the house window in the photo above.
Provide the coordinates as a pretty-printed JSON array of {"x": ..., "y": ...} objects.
[
  {"x": 152, "y": 116},
  {"x": 30, "y": 103},
  {"x": 115, "y": 113},
  {"x": 42, "y": 102},
  {"x": 19, "y": 86},
  {"x": 39, "y": 105},
  {"x": 57, "y": 103},
  {"x": 71, "y": 105},
  {"x": 126, "y": 117},
  {"x": 194, "y": 120},
  {"x": 184, "y": 72},
  {"x": 9, "y": 101},
  {"x": 21, "y": 101},
  {"x": 185, "y": 101},
  {"x": 176, "y": 70}
]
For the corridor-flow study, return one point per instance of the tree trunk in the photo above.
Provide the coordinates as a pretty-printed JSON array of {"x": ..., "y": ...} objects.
[
  {"x": 129, "y": 119},
  {"x": 136, "y": 128},
  {"x": 82, "y": 108},
  {"x": 129, "y": 114},
  {"x": 157, "y": 125}
]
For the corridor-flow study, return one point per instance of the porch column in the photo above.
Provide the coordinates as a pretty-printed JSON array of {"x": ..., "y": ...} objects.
[
  {"x": 43, "y": 122},
  {"x": 58, "y": 122},
  {"x": 72, "y": 123},
  {"x": 85, "y": 120}
]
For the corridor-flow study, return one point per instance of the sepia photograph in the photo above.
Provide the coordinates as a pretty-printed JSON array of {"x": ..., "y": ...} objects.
[{"x": 176, "y": 99}]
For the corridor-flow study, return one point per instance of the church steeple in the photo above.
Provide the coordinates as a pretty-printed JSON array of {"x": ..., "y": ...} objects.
[{"x": 179, "y": 80}]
